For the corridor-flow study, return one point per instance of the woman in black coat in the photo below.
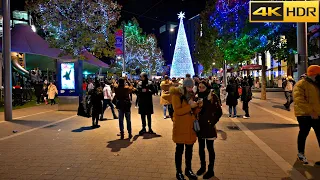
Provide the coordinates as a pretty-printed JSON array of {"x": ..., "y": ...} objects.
[
  {"x": 96, "y": 101},
  {"x": 232, "y": 98},
  {"x": 145, "y": 93},
  {"x": 208, "y": 117}
]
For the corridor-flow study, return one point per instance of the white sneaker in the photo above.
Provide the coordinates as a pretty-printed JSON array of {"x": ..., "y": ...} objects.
[
  {"x": 164, "y": 117},
  {"x": 302, "y": 158},
  {"x": 245, "y": 117}
]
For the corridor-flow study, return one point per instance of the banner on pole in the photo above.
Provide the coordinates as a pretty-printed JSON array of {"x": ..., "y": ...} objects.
[{"x": 119, "y": 42}]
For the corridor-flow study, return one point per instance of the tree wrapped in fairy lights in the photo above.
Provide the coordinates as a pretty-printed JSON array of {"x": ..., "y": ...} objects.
[
  {"x": 230, "y": 16},
  {"x": 141, "y": 50},
  {"x": 153, "y": 54},
  {"x": 76, "y": 25}
]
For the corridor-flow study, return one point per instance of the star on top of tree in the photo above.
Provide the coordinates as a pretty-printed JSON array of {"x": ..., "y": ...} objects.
[{"x": 181, "y": 15}]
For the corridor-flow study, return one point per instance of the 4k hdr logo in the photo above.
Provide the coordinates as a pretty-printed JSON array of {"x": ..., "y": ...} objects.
[{"x": 284, "y": 11}]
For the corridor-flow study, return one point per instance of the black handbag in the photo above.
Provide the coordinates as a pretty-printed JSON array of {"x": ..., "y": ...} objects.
[{"x": 82, "y": 112}]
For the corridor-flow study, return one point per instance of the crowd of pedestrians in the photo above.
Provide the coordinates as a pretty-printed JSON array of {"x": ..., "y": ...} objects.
[{"x": 194, "y": 106}]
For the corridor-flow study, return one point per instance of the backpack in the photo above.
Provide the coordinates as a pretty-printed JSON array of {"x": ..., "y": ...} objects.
[{"x": 170, "y": 108}]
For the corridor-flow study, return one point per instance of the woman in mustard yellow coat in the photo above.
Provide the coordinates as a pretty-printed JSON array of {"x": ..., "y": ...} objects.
[
  {"x": 165, "y": 98},
  {"x": 183, "y": 134}
]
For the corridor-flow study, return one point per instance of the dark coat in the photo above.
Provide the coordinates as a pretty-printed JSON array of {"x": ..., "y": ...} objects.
[
  {"x": 233, "y": 94},
  {"x": 145, "y": 93},
  {"x": 96, "y": 101},
  {"x": 122, "y": 98},
  {"x": 246, "y": 93},
  {"x": 38, "y": 89},
  {"x": 250, "y": 81},
  {"x": 209, "y": 115}
]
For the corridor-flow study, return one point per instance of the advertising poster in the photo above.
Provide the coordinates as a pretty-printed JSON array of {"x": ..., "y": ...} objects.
[{"x": 67, "y": 76}]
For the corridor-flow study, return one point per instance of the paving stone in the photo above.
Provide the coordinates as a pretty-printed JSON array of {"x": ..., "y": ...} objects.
[{"x": 99, "y": 154}]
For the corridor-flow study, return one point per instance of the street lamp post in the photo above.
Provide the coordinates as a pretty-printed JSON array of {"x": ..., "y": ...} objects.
[
  {"x": 302, "y": 47},
  {"x": 225, "y": 73},
  {"x": 124, "y": 50},
  {"x": 6, "y": 49}
]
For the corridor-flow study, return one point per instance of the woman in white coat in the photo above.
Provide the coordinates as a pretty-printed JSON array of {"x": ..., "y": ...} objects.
[{"x": 52, "y": 91}]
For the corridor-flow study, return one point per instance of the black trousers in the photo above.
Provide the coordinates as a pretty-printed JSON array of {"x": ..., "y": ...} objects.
[
  {"x": 38, "y": 98},
  {"x": 289, "y": 98},
  {"x": 144, "y": 123},
  {"x": 52, "y": 101},
  {"x": 130, "y": 95},
  {"x": 95, "y": 118},
  {"x": 202, "y": 154},
  {"x": 245, "y": 107},
  {"x": 305, "y": 124},
  {"x": 188, "y": 156}
]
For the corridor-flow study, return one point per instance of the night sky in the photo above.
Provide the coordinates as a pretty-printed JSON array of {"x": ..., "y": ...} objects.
[{"x": 151, "y": 14}]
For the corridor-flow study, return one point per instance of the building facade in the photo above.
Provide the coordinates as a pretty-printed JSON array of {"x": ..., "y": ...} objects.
[{"x": 18, "y": 17}]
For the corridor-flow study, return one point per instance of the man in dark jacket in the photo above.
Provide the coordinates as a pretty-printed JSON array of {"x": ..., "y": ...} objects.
[
  {"x": 246, "y": 98},
  {"x": 124, "y": 106},
  {"x": 145, "y": 91},
  {"x": 233, "y": 96},
  {"x": 37, "y": 90}
]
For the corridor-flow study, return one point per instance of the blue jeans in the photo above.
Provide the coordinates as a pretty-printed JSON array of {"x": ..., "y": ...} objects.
[
  {"x": 107, "y": 102},
  {"x": 165, "y": 107},
  {"x": 234, "y": 111},
  {"x": 123, "y": 114}
]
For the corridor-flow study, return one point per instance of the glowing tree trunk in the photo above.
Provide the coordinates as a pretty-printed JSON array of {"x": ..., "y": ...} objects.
[{"x": 182, "y": 62}]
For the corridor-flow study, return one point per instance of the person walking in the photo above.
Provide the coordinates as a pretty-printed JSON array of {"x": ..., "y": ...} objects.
[
  {"x": 123, "y": 105},
  {"x": 37, "y": 90},
  {"x": 44, "y": 94},
  {"x": 306, "y": 96},
  {"x": 183, "y": 134},
  {"x": 90, "y": 85},
  {"x": 107, "y": 101},
  {"x": 246, "y": 97},
  {"x": 52, "y": 92},
  {"x": 145, "y": 91},
  {"x": 288, "y": 85},
  {"x": 165, "y": 99},
  {"x": 232, "y": 98},
  {"x": 96, "y": 101},
  {"x": 208, "y": 117}
]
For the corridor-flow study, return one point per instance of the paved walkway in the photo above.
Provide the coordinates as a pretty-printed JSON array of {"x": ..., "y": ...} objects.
[
  {"x": 60, "y": 145},
  {"x": 25, "y": 112}
]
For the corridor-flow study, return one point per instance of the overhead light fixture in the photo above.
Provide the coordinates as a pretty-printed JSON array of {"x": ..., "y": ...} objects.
[{"x": 171, "y": 30}]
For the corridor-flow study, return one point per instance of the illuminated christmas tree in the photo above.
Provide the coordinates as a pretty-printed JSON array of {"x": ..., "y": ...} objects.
[{"x": 182, "y": 62}]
